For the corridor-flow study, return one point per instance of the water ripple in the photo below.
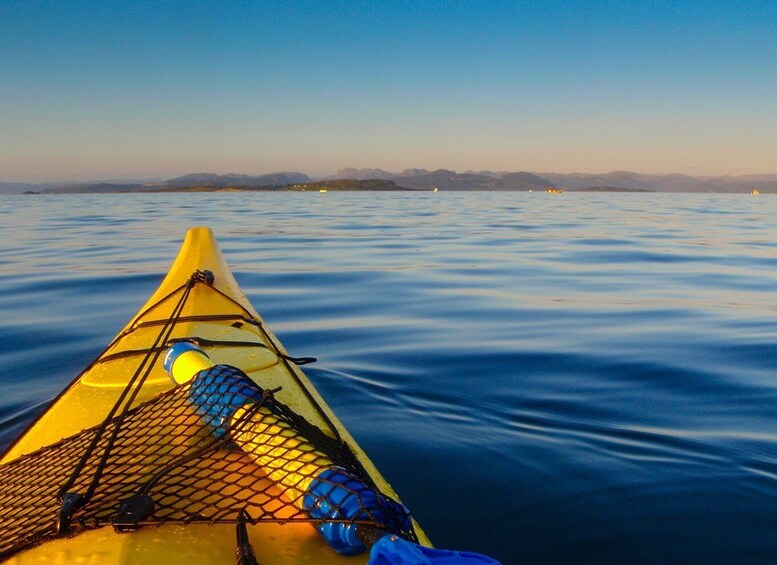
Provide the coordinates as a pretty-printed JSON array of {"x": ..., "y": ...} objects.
[{"x": 586, "y": 378}]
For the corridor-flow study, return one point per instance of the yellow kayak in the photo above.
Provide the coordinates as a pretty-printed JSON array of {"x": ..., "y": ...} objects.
[{"x": 131, "y": 464}]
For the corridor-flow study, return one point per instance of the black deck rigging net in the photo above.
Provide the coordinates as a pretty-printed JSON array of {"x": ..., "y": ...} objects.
[{"x": 165, "y": 450}]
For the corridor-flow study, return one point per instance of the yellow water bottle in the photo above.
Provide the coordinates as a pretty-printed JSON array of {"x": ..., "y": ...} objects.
[{"x": 229, "y": 402}]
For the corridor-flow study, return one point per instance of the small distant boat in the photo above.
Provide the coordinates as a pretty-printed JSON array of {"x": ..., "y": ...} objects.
[
  {"x": 756, "y": 192},
  {"x": 434, "y": 189},
  {"x": 322, "y": 190},
  {"x": 553, "y": 190}
]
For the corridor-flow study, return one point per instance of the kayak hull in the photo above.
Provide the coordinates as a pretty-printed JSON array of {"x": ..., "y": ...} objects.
[{"x": 219, "y": 318}]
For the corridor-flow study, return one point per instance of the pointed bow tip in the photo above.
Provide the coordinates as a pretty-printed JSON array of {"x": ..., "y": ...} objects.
[{"x": 199, "y": 231}]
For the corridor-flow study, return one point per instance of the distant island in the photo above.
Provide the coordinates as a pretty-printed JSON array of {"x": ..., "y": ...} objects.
[
  {"x": 347, "y": 185},
  {"x": 352, "y": 179}
]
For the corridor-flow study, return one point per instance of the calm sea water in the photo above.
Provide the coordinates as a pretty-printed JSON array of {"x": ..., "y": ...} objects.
[{"x": 576, "y": 378}]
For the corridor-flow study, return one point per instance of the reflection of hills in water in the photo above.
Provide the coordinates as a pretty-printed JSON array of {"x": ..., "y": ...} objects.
[{"x": 420, "y": 179}]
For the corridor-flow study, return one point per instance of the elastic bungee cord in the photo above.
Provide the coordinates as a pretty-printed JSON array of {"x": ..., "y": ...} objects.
[
  {"x": 71, "y": 501},
  {"x": 214, "y": 449}
]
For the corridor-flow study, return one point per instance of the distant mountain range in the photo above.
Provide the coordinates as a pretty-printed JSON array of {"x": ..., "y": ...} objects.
[
  {"x": 210, "y": 179},
  {"x": 194, "y": 180},
  {"x": 664, "y": 183},
  {"x": 616, "y": 181},
  {"x": 345, "y": 185},
  {"x": 422, "y": 179}
]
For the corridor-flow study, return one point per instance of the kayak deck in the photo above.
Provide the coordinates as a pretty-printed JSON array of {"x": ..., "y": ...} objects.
[{"x": 231, "y": 332}]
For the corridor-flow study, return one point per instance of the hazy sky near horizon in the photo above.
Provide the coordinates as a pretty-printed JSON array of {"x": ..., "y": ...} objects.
[{"x": 139, "y": 89}]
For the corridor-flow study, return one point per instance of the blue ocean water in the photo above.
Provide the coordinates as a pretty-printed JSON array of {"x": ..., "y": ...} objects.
[{"x": 581, "y": 378}]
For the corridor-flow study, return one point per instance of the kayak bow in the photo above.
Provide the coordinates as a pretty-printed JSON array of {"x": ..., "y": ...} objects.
[{"x": 85, "y": 435}]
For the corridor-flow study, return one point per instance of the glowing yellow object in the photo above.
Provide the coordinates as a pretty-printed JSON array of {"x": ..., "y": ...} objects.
[
  {"x": 290, "y": 460},
  {"x": 188, "y": 364}
]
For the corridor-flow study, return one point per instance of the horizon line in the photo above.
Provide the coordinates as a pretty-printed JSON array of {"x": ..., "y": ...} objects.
[{"x": 151, "y": 179}]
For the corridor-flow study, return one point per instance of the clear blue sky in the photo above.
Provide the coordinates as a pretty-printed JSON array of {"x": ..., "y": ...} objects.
[{"x": 140, "y": 89}]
